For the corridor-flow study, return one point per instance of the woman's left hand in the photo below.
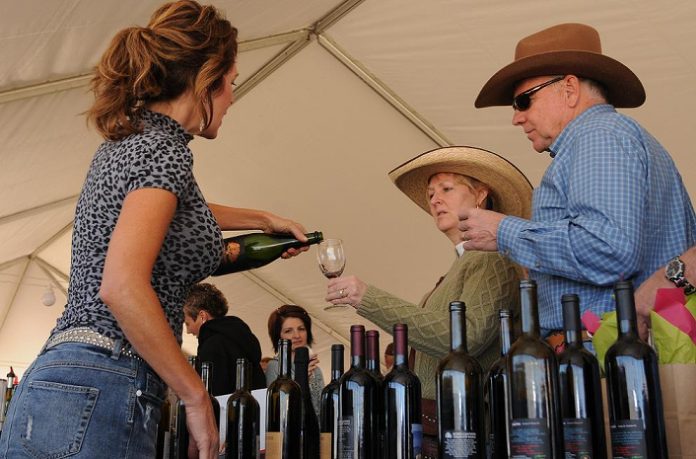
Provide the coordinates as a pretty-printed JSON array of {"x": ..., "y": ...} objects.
[{"x": 346, "y": 290}]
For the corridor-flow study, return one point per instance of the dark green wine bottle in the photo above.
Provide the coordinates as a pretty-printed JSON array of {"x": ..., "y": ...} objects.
[
  {"x": 580, "y": 389},
  {"x": 636, "y": 414},
  {"x": 243, "y": 417},
  {"x": 459, "y": 395},
  {"x": 536, "y": 429},
  {"x": 253, "y": 250}
]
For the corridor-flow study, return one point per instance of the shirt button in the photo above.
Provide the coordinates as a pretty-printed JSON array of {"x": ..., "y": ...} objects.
[{"x": 138, "y": 393}]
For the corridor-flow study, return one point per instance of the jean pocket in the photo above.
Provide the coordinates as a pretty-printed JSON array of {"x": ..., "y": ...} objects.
[{"x": 55, "y": 420}]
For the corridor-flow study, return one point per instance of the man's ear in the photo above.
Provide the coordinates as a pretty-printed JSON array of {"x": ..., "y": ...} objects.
[{"x": 572, "y": 90}]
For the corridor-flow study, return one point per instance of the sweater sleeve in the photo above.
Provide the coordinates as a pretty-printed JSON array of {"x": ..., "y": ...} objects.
[{"x": 484, "y": 282}]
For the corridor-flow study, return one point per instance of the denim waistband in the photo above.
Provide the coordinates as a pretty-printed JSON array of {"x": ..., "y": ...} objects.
[{"x": 88, "y": 336}]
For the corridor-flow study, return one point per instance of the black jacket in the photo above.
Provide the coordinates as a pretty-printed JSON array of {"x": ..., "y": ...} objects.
[{"x": 222, "y": 341}]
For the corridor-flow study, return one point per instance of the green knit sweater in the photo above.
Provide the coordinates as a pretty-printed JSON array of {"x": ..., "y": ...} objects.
[{"x": 484, "y": 281}]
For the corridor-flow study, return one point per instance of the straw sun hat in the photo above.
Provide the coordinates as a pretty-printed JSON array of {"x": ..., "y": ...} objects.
[
  {"x": 564, "y": 49},
  {"x": 510, "y": 189}
]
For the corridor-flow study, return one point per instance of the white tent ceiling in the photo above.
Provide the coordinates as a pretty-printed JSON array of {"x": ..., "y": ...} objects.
[{"x": 333, "y": 95}]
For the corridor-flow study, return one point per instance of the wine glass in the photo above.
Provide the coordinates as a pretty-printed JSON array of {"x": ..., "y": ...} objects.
[{"x": 332, "y": 260}]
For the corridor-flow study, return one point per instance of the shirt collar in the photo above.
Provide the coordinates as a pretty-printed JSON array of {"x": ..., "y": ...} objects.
[
  {"x": 169, "y": 125},
  {"x": 567, "y": 132},
  {"x": 459, "y": 248}
]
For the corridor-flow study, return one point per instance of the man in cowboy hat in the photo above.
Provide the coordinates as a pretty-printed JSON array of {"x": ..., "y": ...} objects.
[{"x": 611, "y": 204}]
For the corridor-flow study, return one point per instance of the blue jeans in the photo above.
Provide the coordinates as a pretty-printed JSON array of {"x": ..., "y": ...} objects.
[{"x": 81, "y": 401}]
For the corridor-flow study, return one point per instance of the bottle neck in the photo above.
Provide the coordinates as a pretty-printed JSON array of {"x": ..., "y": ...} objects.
[
  {"x": 357, "y": 346},
  {"x": 626, "y": 310},
  {"x": 505, "y": 334},
  {"x": 336, "y": 361},
  {"x": 302, "y": 371},
  {"x": 243, "y": 373},
  {"x": 372, "y": 360},
  {"x": 571, "y": 319},
  {"x": 206, "y": 376},
  {"x": 458, "y": 330},
  {"x": 400, "y": 345},
  {"x": 529, "y": 310},
  {"x": 284, "y": 358}
]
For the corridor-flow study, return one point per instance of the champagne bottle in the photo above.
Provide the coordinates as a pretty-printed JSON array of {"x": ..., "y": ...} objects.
[
  {"x": 328, "y": 422},
  {"x": 283, "y": 410},
  {"x": 309, "y": 426},
  {"x": 459, "y": 395},
  {"x": 206, "y": 377},
  {"x": 495, "y": 394},
  {"x": 403, "y": 433},
  {"x": 580, "y": 390},
  {"x": 9, "y": 391},
  {"x": 633, "y": 383},
  {"x": 180, "y": 437},
  {"x": 243, "y": 417},
  {"x": 358, "y": 390},
  {"x": 253, "y": 250},
  {"x": 535, "y": 424}
]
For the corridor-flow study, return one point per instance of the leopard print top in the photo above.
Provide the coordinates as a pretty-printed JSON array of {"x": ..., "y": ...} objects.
[{"x": 157, "y": 158}]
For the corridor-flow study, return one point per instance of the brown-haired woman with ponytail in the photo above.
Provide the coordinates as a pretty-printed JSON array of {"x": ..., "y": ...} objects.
[{"x": 143, "y": 234}]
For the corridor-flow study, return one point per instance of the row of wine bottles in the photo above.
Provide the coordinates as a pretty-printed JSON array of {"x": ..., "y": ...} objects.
[
  {"x": 541, "y": 405},
  {"x": 531, "y": 403}
]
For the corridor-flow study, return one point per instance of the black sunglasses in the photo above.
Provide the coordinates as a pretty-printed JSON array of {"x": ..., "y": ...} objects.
[{"x": 523, "y": 101}]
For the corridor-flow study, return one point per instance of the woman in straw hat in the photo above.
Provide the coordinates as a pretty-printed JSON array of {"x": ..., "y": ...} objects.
[{"x": 443, "y": 182}]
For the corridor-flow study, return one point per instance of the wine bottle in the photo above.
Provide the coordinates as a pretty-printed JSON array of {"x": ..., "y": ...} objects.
[
  {"x": 206, "y": 377},
  {"x": 10, "y": 390},
  {"x": 283, "y": 410},
  {"x": 580, "y": 390},
  {"x": 163, "y": 429},
  {"x": 535, "y": 424},
  {"x": 358, "y": 390},
  {"x": 328, "y": 415},
  {"x": 243, "y": 417},
  {"x": 372, "y": 365},
  {"x": 495, "y": 394},
  {"x": 459, "y": 395},
  {"x": 372, "y": 354},
  {"x": 633, "y": 383},
  {"x": 180, "y": 437},
  {"x": 403, "y": 433},
  {"x": 253, "y": 250},
  {"x": 309, "y": 426}
]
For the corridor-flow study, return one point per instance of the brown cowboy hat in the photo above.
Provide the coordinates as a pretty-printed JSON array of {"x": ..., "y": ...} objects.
[
  {"x": 510, "y": 189},
  {"x": 564, "y": 49}
]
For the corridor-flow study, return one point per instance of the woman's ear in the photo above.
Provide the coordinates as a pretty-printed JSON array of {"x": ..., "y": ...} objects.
[{"x": 481, "y": 196}]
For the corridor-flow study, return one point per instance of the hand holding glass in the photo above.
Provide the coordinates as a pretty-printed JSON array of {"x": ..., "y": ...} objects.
[{"x": 332, "y": 261}]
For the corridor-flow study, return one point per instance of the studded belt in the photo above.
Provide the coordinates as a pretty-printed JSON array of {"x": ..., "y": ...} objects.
[{"x": 87, "y": 336}]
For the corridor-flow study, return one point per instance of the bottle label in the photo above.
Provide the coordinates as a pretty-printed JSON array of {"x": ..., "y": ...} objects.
[
  {"x": 417, "y": 436},
  {"x": 628, "y": 439},
  {"x": 459, "y": 444},
  {"x": 345, "y": 437},
  {"x": 325, "y": 445},
  {"x": 577, "y": 437},
  {"x": 274, "y": 445},
  {"x": 232, "y": 251},
  {"x": 530, "y": 439}
]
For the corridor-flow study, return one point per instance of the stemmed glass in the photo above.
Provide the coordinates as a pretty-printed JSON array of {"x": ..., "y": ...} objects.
[{"x": 332, "y": 261}]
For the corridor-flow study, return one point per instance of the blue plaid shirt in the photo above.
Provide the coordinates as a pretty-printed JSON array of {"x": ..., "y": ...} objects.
[{"x": 610, "y": 206}]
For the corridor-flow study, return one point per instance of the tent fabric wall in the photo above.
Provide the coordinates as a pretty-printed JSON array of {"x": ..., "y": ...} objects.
[{"x": 333, "y": 95}]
